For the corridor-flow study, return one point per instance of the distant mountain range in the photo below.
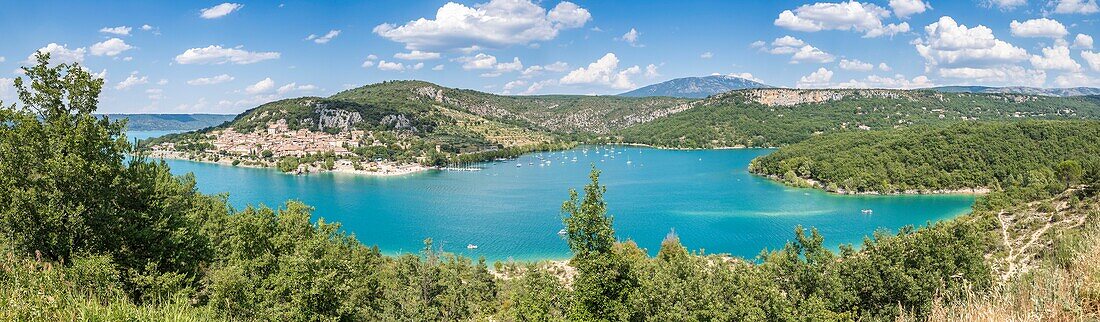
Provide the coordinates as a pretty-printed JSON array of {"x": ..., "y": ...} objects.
[
  {"x": 1060, "y": 92},
  {"x": 171, "y": 122},
  {"x": 695, "y": 87}
]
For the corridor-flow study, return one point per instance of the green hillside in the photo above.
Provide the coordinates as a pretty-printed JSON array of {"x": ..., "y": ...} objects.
[
  {"x": 777, "y": 117},
  {"x": 958, "y": 156}
]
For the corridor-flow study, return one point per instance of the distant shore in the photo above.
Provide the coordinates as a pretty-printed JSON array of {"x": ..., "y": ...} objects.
[
  {"x": 815, "y": 184},
  {"x": 381, "y": 169}
]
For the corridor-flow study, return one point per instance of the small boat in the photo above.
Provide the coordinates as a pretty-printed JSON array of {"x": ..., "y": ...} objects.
[
  {"x": 628, "y": 162},
  {"x": 519, "y": 165},
  {"x": 867, "y": 211},
  {"x": 471, "y": 246},
  {"x": 562, "y": 232}
]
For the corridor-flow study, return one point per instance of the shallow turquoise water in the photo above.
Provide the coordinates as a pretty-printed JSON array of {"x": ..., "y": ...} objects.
[{"x": 707, "y": 196}]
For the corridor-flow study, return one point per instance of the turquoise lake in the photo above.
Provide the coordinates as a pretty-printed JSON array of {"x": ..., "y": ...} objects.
[{"x": 512, "y": 212}]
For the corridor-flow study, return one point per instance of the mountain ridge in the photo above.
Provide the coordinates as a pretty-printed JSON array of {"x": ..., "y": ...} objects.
[{"x": 695, "y": 87}]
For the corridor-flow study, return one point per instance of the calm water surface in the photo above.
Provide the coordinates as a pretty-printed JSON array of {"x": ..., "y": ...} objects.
[{"x": 513, "y": 212}]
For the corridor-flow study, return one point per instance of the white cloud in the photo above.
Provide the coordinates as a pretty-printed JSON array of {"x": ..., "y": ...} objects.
[
  {"x": 1077, "y": 6},
  {"x": 263, "y": 86},
  {"x": 146, "y": 27},
  {"x": 220, "y": 10},
  {"x": 602, "y": 72},
  {"x": 569, "y": 15},
  {"x": 1076, "y": 80},
  {"x": 390, "y": 66},
  {"x": 7, "y": 92},
  {"x": 539, "y": 85},
  {"x": 285, "y": 89},
  {"x": 884, "y": 67},
  {"x": 1041, "y": 27},
  {"x": 110, "y": 47},
  {"x": 479, "y": 61},
  {"x": 131, "y": 81},
  {"x": 651, "y": 71},
  {"x": 631, "y": 37},
  {"x": 906, "y": 8},
  {"x": 418, "y": 66},
  {"x": 1092, "y": 58},
  {"x": 438, "y": 67},
  {"x": 856, "y": 65},
  {"x": 1005, "y": 4},
  {"x": 368, "y": 63},
  {"x": 155, "y": 94},
  {"x": 747, "y": 76},
  {"x": 896, "y": 82},
  {"x": 1009, "y": 75},
  {"x": 975, "y": 55},
  {"x": 787, "y": 41},
  {"x": 1082, "y": 41},
  {"x": 799, "y": 50},
  {"x": 2, "y": 59},
  {"x": 493, "y": 24},
  {"x": 513, "y": 85},
  {"x": 706, "y": 55},
  {"x": 372, "y": 57},
  {"x": 811, "y": 54},
  {"x": 555, "y": 67},
  {"x": 60, "y": 54},
  {"x": 120, "y": 30},
  {"x": 417, "y": 55},
  {"x": 1055, "y": 58},
  {"x": 211, "y": 80},
  {"x": 161, "y": 82},
  {"x": 819, "y": 78},
  {"x": 951, "y": 45},
  {"x": 217, "y": 55},
  {"x": 325, "y": 38},
  {"x": 859, "y": 17},
  {"x": 483, "y": 61}
]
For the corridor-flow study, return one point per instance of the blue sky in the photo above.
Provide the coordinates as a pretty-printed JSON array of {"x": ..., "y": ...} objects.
[{"x": 225, "y": 57}]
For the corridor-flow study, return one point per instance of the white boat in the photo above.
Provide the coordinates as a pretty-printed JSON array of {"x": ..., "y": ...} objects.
[
  {"x": 562, "y": 232},
  {"x": 628, "y": 162},
  {"x": 867, "y": 211},
  {"x": 519, "y": 165},
  {"x": 471, "y": 246}
]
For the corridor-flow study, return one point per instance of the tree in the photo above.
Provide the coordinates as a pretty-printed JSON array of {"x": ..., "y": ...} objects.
[
  {"x": 604, "y": 277},
  {"x": 1070, "y": 172},
  {"x": 68, "y": 192}
]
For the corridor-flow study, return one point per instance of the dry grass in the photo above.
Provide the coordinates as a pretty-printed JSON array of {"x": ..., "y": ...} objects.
[{"x": 1069, "y": 291}]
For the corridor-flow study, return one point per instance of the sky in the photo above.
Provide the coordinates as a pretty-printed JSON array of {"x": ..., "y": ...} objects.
[{"x": 226, "y": 57}]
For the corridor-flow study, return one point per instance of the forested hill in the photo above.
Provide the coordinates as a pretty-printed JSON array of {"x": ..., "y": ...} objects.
[
  {"x": 695, "y": 87},
  {"x": 984, "y": 155},
  {"x": 777, "y": 117},
  {"x": 171, "y": 122}
]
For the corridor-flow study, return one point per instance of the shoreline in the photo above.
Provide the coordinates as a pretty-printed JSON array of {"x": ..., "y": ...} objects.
[
  {"x": 389, "y": 170},
  {"x": 816, "y": 185}
]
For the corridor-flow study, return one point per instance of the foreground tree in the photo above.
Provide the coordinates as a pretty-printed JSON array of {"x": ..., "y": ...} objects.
[
  {"x": 70, "y": 191},
  {"x": 604, "y": 278}
]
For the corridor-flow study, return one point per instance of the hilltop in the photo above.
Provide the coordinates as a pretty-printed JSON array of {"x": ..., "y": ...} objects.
[{"x": 695, "y": 87}]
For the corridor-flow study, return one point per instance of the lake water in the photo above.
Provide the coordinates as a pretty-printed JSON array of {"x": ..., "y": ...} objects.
[{"x": 512, "y": 212}]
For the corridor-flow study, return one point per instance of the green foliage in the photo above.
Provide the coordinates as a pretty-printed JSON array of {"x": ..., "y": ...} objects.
[
  {"x": 68, "y": 190},
  {"x": 737, "y": 120},
  {"x": 958, "y": 156}
]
